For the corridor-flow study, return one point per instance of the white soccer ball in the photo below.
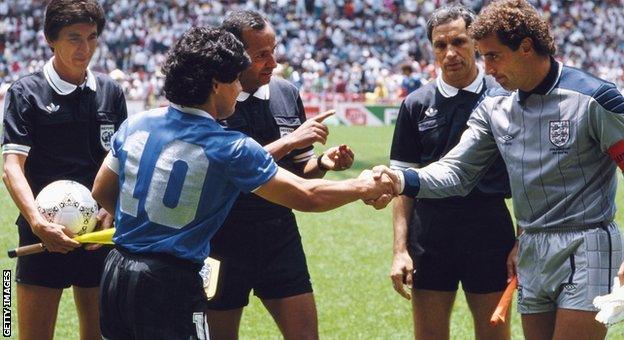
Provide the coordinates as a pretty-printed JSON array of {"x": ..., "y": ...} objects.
[{"x": 69, "y": 204}]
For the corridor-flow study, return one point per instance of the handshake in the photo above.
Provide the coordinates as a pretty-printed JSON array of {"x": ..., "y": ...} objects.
[{"x": 382, "y": 185}]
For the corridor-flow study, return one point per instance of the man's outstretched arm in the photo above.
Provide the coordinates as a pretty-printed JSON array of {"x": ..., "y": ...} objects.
[
  {"x": 289, "y": 190},
  {"x": 457, "y": 173}
]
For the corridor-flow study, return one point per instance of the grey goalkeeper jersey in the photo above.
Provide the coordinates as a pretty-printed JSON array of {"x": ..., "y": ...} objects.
[{"x": 554, "y": 143}]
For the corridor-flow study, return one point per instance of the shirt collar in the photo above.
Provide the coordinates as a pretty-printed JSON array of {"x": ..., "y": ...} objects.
[
  {"x": 261, "y": 93},
  {"x": 548, "y": 84},
  {"x": 448, "y": 91},
  {"x": 62, "y": 87},
  {"x": 191, "y": 110}
]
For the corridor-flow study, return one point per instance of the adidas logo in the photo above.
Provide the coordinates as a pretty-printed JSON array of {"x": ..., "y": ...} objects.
[
  {"x": 431, "y": 112},
  {"x": 52, "y": 107}
]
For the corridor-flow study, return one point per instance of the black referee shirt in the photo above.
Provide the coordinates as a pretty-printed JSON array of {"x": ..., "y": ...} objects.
[
  {"x": 274, "y": 111},
  {"x": 430, "y": 124},
  {"x": 65, "y": 130}
]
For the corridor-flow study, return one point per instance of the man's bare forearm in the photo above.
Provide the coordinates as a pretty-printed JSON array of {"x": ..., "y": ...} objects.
[
  {"x": 279, "y": 148},
  {"x": 401, "y": 216},
  {"x": 19, "y": 189}
]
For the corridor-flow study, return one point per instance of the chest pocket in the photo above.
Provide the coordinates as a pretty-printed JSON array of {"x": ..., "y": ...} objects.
[
  {"x": 287, "y": 125},
  {"x": 53, "y": 114},
  {"x": 433, "y": 134},
  {"x": 57, "y": 132}
]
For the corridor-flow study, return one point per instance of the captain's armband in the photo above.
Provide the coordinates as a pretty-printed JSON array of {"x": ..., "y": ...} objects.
[{"x": 616, "y": 151}]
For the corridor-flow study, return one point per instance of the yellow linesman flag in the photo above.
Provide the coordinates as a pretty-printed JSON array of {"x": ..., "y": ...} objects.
[{"x": 100, "y": 237}]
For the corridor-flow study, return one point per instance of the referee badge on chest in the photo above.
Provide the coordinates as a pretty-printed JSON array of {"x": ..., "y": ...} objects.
[
  {"x": 559, "y": 132},
  {"x": 285, "y": 130},
  {"x": 106, "y": 133}
]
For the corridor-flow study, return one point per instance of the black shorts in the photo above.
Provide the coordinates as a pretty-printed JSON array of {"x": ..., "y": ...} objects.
[
  {"x": 80, "y": 267},
  {"x": 151, "y": 296},
  {"x": 468, "y": 244},
  {"x": 266, "y": 256}
]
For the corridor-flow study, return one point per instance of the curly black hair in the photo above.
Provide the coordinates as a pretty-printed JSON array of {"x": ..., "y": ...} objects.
[
  {"x": 62, "y": 13},
  {"x": 202, "y": 54},
  {"x": 512, "y": 21}
]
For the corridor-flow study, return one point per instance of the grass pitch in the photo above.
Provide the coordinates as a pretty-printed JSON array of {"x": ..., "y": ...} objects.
[{"x": 349, "y": 252}]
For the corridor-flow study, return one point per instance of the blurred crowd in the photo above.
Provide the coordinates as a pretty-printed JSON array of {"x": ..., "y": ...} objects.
[{"x": 373, "y": 50}]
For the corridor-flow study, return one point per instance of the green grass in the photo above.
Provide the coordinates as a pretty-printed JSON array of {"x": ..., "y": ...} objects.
[{"x": 349, "y": 255}]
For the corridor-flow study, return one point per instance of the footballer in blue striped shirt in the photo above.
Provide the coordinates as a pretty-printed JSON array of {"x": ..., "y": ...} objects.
[{"x": 171, "y": 178}]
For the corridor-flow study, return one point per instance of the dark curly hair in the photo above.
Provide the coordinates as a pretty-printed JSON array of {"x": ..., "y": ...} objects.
[
  {"x": 201, "y": 55},
  {"x": 237, "y": 21},
  {"x": 512, "y": 21},
  {"x": 62, "y": 13}
]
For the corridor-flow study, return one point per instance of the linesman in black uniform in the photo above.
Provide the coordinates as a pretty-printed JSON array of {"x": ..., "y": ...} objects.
[
  {"x": 441, "y": 242},
  {"x": 58, "y": 124},
  {"x": 259, "y": 244}
]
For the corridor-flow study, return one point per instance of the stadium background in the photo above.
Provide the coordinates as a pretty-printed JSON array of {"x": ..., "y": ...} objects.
[
  {"x": 338, "y": 52},
  {"x": 343, "y": 54}
]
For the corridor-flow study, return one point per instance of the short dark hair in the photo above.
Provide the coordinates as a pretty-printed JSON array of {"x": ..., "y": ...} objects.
[
  {"x": 236, "y": 22},
  {"x": 446, "y": 14},
  {"x": 512, "y": 21},
  {"x": 201, "y": 55},
  {"x": 62, "y": 13}
]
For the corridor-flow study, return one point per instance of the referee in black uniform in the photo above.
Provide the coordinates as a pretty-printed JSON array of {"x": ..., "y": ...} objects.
[
  {"x": 441, "y": 242},
  {"x": 58, "y": 124},
  {"x": 259, "y": 244}
]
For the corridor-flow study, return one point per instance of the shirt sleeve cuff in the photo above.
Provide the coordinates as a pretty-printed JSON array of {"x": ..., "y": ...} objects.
[
  {"x": 112, "y": 163},
  {"x": 304, "y": 157},
  {"x": 16, "y": 148},
  {"x": 399, "y": 165},
  {"x": 410, "y": 183}
]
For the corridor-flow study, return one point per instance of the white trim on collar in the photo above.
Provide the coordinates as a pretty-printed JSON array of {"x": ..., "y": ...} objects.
[
  {"x": 62, "y": 87},
  {"x": 191, "y": 110},
  {"x": 262, "y": 93},
  {"x": 450, "y": 91}
]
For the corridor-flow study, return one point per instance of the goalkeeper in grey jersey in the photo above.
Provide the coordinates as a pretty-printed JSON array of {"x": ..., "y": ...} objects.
[{"x": 561, "y": 135}]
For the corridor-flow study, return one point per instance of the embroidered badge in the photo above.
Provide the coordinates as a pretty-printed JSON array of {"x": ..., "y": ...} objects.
[
  {"x": 284, "y": 130},
  {"x": 559, "y": 132},
  {"x": 431, "y": 112},
  {"x": 106, "y": 133},
  {"x": 53, "y": 107}
]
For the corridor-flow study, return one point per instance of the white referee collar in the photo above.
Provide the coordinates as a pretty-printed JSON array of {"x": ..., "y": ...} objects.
[
  {"x": 261, "y": 93},
  {"x": 62, "y": 87},
  {"x": 191, "y": 110},
  {"x": 448, "y": 91}
]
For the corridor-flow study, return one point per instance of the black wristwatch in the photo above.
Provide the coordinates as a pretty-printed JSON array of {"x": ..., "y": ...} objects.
[{"x": 319, "y": 164}]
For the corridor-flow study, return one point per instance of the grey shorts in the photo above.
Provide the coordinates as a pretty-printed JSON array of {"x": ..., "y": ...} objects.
[{"x": 566, "y": 269}]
